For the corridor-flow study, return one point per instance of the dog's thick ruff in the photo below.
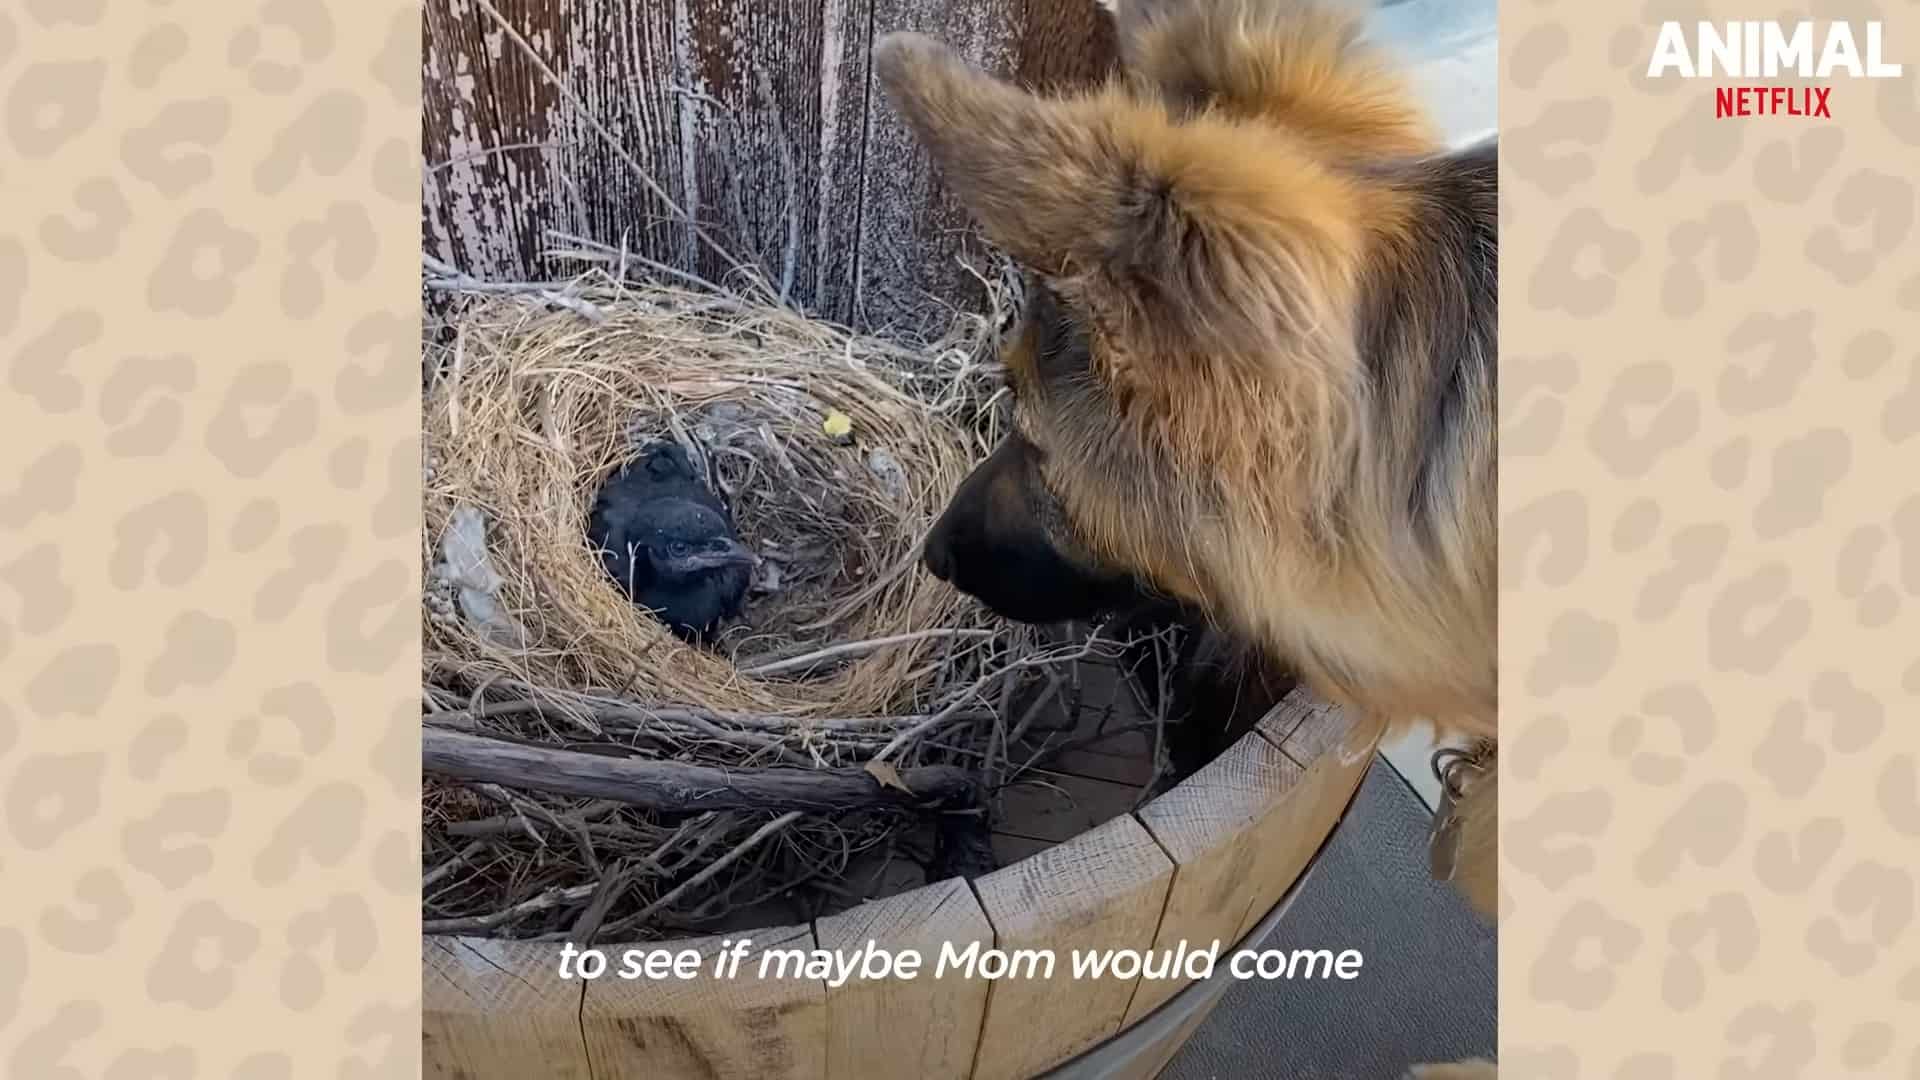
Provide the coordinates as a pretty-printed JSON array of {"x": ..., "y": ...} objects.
[{"x": 1256, "y": 371}]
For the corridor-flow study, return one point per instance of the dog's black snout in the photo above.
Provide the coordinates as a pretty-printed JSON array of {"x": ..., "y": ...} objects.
[{"x": 938, "y": 554}]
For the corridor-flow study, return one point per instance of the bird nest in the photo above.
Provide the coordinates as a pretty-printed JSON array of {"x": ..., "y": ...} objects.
[
  {"x": 531, "y": 410},
  {"x": 892, "y": 698}
]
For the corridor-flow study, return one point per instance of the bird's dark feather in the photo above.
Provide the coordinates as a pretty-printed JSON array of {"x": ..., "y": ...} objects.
[{"x": 644, "y": 506}]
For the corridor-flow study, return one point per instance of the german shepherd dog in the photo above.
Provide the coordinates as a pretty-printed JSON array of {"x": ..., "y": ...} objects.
[{"x": 1255, "y": 369}]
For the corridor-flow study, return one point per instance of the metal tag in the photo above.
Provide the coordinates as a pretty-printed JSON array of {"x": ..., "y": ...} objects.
[
  {"x": 1443, "y": 843},
  {"x": 1449, "y": 765}
]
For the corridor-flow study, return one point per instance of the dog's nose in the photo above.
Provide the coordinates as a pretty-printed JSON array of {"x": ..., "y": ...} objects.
[{"x": 938, "y": 556}]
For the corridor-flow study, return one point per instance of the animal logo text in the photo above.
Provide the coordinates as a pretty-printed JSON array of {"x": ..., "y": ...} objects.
[{"x": 1751, "y": 50}]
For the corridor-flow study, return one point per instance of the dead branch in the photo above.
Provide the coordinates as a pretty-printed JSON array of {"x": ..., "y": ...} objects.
[
  {"x": 706, "y": 874},
  {"x": 851, "y": 649},
  {"x": 551, "y": 898},
  {"x": 674, "y": 787},
  {"x": 427, "y": 880}
]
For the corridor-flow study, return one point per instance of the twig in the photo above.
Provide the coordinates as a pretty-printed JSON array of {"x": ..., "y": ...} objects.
[
  {"x": 427, "y": 880},
  {"x": 934, "y": 721},
  {"x": 611, "y": 889},
  {"x": 652, "y": 859},
  {"x": 716, "y": 826},
  {"x": 452, "y": 279},
  {"x": 457, "y": 369},
  {"x": 997, "y": 740},
  {"x": 741, "y": 738},
  {"x": 832, "y": 725},
  {"x": 491, "y": 151},
  {"x": 828, "y": 724},
  {"x": 873, "y": 588},
  {"x": 574, "y": 827},
  {"x": 621, "y": 716},
  {"x": 1093, "y": 642},
  {"x": 502, "y": 795},
  {"x": 850, "y": 649},
  {"x": 495, "y": 826},
  {"x": 504, "y": 823},
  {"x": 707, "y": 873},
  {"x": 597, "y": 252},
  {"x": 676, "y": 787},
  {"x": 1047, "y": 694},
  {"x": 550, "y": 898},
  {"x": 1163, "y": 677}
]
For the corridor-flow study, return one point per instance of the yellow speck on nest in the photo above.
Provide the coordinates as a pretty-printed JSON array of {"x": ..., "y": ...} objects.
[{"x": 837, "y": 425}]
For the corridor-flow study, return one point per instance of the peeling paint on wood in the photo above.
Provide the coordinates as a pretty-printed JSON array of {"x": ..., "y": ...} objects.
[{"x": 756, "y": 117}]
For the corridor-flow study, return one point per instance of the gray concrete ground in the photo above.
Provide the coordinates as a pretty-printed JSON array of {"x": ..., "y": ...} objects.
[{"x": 1427, "y": 986}]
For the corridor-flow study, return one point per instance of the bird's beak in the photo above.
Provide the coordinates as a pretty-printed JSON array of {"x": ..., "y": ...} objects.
[{"x": 736, "y": 554}]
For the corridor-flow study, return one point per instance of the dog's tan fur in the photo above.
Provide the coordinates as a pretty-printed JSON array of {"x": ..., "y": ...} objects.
[{"x": 1285, "y": 414}]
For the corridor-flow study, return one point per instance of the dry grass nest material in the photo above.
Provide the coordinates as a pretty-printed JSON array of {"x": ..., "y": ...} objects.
[
  {"x": 852, "y": 656},
  {"x": 530, "y": 411}
]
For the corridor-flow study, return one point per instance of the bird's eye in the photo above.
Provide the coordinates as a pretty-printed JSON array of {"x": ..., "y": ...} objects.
[{"x": 676, "y": 549}]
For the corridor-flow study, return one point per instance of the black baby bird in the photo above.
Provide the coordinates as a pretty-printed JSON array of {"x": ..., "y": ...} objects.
[{"x": 669, "y": 543}]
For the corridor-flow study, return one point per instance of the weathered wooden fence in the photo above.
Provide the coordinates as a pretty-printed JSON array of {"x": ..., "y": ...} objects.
[{"x": 620, "y": 120}]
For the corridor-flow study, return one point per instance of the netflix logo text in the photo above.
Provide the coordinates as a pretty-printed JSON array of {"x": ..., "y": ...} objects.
[
  {"x": 1771, "y": 101},
  {"x": 1746, "y": 52}
]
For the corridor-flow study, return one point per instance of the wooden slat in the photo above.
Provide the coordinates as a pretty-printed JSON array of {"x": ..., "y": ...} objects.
[
  {"x": 483, "y": 205},
  {"x": 1208, "y": 825},
  {"x": 498, "y": 1010},
  {"x": 1103, "y": 889},
  {"x": 846, "y": 48},
  {"x": 722, "y": 1028},
  {"x": 913, "y": 233},
  {"x": 1305, "y": 726},
  {"x": 914, "y": 236},
  {"x": 757, "y": 117},
  {"x": 919, "y": 1027},
  {"x": 749, "y": 114},
  {"x": 756, "y": 148},
  {"x": 1290, "y": 713},
  {"x": 1140, "y": 1050},
  {"x": 1336, "y": 747}
]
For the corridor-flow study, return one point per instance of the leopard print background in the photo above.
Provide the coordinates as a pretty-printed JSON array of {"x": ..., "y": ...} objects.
[
  {"x": 1710, "y": 617},
  {"x": 208, "y": 766},
  {"x": 209, "y": 271}
]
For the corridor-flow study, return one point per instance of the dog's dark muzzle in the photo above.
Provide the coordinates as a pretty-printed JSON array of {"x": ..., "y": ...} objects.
[{"x": 991, "y": 543}]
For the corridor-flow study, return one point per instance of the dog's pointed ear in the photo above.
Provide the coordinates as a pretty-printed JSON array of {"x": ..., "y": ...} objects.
[
  {"x": 1027, "y": 168},
  {"x": 1198, "y": 230}
]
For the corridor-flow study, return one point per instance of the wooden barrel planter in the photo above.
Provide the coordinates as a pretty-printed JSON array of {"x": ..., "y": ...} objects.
[{"x": 1209, "y": 859}]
